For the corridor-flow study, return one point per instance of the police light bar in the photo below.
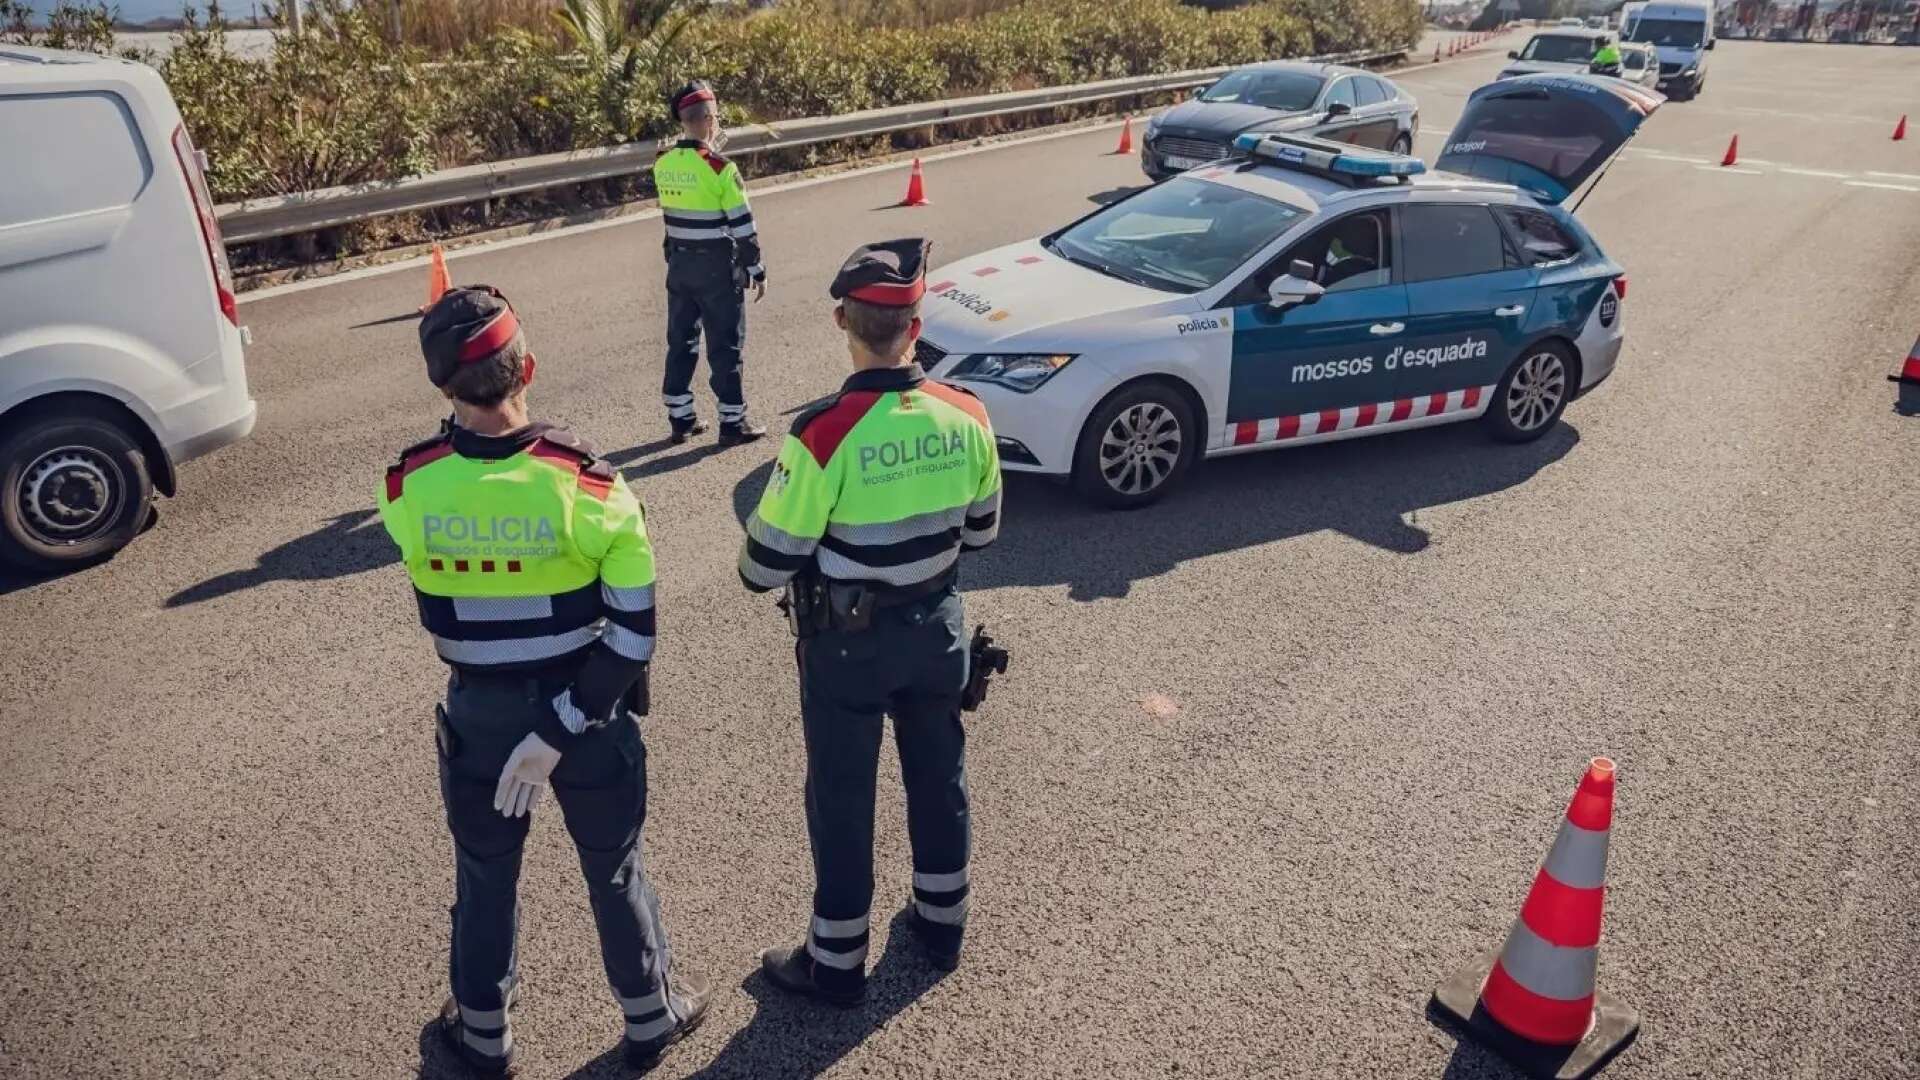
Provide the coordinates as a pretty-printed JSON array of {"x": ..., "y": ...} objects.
[{"x": 1330, "y": 158}]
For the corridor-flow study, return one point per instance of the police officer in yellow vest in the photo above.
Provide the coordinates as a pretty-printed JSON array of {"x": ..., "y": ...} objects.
[
  {"x": 533, "y": 574},
  {"x": 874, "y": 495},
  {"x": 713, "y": 255}
]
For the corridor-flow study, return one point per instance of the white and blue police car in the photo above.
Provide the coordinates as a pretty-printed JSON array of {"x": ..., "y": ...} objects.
[{"x": 1304, "y": 292}]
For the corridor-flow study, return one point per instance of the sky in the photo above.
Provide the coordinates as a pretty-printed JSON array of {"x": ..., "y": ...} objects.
[{"x": 142, "y": 10}]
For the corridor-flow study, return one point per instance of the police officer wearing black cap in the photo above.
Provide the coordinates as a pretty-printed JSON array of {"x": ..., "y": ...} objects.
[
  {"x": 533, "y": 574},
  {"x": 713, "y": 255},
  {"x": 875, "y": 493}
]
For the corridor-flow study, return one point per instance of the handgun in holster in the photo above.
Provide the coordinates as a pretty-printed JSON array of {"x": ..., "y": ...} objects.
[
  {"x": 984, "y": 661},
  {"x": 804, "y": 603}
]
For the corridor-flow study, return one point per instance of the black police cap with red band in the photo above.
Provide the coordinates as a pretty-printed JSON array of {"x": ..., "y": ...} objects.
[
  {"x": 466, "y": 325},
  {"x": 691, "y": 94},
  {"x": 891, "y": 274}
]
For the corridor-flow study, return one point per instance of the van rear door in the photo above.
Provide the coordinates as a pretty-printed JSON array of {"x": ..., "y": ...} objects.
[{"x": 1545, "y": 134}]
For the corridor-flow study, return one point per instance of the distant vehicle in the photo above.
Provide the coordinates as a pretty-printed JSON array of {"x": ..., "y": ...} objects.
[
  {"x": 1640, "y": 64},
  {"x": 1301, "y": 292},
  {"x": 1681, "y": 33},
  {"x": 1549, "y": 51},
  {"x": 1596, "y": 22},
  {"x": 1340, "y": 103},
  {"x": 1571, "y": 20},
  {"x": 1629, "y": 12},
  {"x": 121, "y": 351}
]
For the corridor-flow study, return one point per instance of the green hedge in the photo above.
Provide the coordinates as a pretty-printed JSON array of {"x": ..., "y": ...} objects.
[{"x": 343, "y": 106}]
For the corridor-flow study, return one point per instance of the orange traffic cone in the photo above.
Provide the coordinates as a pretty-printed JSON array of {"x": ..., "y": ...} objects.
[
  {"x": 438, "y": 282},
  {"x": 916, "y": 187},
  {"x": 1535, "y": 1002},
  {"x": 1126, "y": 137},
  {"x": 1900, "y": 129},
  {"x": 1733, "y": 152},
  {"x": 1909, "y": 380}
]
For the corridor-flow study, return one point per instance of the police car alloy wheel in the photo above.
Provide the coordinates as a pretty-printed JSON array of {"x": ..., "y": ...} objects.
[
  {"x": 76, "y": 489},
  {"x": 1532, "y": 394},
  {"x": 1135, "y": 446}
]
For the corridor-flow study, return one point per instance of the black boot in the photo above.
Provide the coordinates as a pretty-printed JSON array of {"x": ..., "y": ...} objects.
[
  {"x": 451, "y": 1031},
  {"x": 689, "y": 994},
  {"x": 792, "y": 970},
  {"x": 941, "y": 944},
  {"x": 743, "y": 432},
  {"x": 686, "y": 429}
]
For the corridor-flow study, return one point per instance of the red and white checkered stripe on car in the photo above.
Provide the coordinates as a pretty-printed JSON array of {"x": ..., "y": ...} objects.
[{"x": 1333, "y": 421}]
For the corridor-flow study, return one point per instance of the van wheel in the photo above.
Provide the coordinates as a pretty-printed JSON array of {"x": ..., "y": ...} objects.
[
  {"x": 1532, "y": 394},
  {"x": 75, "y": 490},
  {"x": 1136, "y": 446},
  {"x": 1403, "y": 144}
]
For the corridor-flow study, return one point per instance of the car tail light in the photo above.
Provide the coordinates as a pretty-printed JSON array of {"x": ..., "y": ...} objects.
[
  {"x": 189, "y": 159},
  {"x": 1620, "y": 286}
]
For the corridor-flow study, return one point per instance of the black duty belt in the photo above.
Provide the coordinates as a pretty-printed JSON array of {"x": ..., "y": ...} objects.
[{"x": 889, "y": 596}]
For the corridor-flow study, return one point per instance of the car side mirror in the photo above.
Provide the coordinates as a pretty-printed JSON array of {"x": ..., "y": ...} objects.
[
  {"x": 1197, "y": 91},
  {"x": 1295, "y": 287},
  {"x": 1338, "y": 108},
  {"x": 1513, "y": 54},
  {"x": 1709, "y": 44}
]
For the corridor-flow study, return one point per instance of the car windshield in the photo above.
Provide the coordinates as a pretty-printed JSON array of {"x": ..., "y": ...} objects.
[
  {"x": 1559, "y": 49},
  {"x": 1286, "y": 90},
  {"x": 1182, "y": 236},
  {"x": 1633, "y": 58},
  {"x": 1686, "y": 33}
]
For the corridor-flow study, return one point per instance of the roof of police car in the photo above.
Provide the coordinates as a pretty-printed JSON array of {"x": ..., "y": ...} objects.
[{"x": 1310, "y": 191}]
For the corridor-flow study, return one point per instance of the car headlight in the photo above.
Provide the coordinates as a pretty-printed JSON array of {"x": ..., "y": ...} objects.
[
  {"x": 1689, "y": 71},
  {"x": 1023, "y": 373}
]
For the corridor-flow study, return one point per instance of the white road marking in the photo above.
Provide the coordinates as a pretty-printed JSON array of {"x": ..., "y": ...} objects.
[
  {"x": 1822, "y": 173},
  {"x": 1661, "y": 155},
  {"x": 1895, "y": 175},
  {"x": 1883, "y": 187},
  {"x": 1730, "y": 170}
]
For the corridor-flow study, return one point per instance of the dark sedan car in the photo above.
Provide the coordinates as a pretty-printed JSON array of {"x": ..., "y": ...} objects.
[{"x": 1333, "y": 102}]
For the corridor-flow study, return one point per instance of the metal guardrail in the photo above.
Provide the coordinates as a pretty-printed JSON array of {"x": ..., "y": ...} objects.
[{"x": 285, "y": 215}]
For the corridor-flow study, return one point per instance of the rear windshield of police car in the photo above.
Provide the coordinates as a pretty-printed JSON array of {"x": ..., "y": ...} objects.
[{"x": 1181, "y": 236}]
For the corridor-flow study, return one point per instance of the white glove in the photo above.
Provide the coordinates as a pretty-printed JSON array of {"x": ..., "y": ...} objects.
[{"x": 525, "y": 777}]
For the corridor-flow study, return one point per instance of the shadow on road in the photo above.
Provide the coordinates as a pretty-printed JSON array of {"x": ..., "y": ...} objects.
[
  {"x": 1470, "y": 1061},
  {"x": 650, "y": 462},
  {"x": 1114, "y": 195},
  {"x": 1370, "y": 489},
  {"x": 350, "y": 543}
]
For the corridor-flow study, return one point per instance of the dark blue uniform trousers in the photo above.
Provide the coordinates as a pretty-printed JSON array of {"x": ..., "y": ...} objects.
[
  {"x": 702, "y": 294},
  {"x": 912, "y": 664},
  {"x": 601, "y": 786}
]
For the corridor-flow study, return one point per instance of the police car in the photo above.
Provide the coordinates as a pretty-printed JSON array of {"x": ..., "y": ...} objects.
[{"x": 1305, "y": 292}]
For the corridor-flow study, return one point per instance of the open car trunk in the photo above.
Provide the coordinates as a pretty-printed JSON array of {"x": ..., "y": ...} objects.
[{"x": 1546, "y": 134}]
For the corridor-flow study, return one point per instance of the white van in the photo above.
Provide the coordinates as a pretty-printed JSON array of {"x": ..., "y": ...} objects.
[
  {"x": 120, "y": 343},
  {"x": 1681, "y": 32}
]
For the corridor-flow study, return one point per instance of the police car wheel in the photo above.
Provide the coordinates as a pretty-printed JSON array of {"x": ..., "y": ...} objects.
[
  {"x": 76, "y": 489},
  {"x": 1532, "y": 394},
  {"x": 1135, "y": 446}
]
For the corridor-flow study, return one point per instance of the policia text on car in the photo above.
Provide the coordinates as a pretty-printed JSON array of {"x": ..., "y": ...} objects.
[
  {"x": 713, "y": 254},
  {"x": 533, "y": 573},
  {"x": 875, "y": 493}
]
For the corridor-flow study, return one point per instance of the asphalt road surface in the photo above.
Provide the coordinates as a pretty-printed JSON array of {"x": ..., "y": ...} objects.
[{"x": 1276, "y": 755}]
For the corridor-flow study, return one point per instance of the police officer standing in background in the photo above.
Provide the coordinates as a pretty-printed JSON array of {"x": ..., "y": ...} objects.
[
  {"x": 713, "y": 254},
  {"x": 871, "y": 500},
  {"x": 532, "y": 570}
]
